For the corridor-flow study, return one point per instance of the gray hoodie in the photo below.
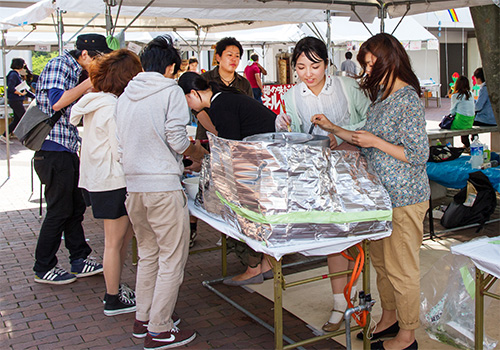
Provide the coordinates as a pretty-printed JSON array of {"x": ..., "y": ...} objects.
[{"x": 151, "y": 118}]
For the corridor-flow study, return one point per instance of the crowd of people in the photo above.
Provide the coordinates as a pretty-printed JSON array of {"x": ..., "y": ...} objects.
[{"x": 135, "y": 110}]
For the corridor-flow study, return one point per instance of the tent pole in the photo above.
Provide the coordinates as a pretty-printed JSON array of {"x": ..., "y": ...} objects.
[
  {"x": 60, "y": 30},
  {"x": 382, "y": 14},
  {"x": 329, "y": 35},
  {"x": 198, "y": 45},
  {"x": 109, "y": 19},
  {"x": 5, "y": 111},
  {"x": 82, "y": 28}
]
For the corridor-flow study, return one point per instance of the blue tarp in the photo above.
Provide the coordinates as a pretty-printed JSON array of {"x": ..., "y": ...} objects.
[{"x": 455, "y": 173}]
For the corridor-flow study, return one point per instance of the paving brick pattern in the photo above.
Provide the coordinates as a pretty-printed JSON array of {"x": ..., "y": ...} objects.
[{"x": 37, "y": 316}]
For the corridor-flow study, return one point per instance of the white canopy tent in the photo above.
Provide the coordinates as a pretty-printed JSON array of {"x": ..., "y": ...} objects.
[{"x": 211, "y": 16}]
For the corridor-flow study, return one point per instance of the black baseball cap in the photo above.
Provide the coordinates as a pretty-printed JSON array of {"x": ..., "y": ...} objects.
[{"x": 92, "y": 42}]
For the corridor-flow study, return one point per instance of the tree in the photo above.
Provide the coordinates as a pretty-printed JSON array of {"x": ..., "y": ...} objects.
[{"x": 40, "y": 59}]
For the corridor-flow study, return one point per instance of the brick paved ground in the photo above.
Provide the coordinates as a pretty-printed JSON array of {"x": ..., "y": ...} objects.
[{"x": 35, "y": 316}]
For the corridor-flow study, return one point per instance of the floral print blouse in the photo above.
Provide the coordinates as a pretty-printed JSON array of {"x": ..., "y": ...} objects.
[{"x": 400, "y": 120}]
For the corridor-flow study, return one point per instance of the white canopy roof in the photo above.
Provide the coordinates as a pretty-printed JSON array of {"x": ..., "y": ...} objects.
[
  {"x": 223, "y": 15},
  {"x": 344, "y": 30}
]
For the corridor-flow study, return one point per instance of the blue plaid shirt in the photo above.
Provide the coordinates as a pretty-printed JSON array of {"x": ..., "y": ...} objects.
[{"x": 61, "y": 72}]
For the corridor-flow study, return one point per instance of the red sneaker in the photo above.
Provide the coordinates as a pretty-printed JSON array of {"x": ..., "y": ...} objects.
[
  {"x": 171, "y": 339},
  {"x": 141, "y": 327}
]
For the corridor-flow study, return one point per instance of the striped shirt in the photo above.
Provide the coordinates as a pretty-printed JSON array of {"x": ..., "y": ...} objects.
[
  {"x": 400, "y": 120},
  {"x": 62, "y": 73}
]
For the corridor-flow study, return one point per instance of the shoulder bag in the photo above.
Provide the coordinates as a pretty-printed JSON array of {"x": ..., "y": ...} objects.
[{"x": 35, "y": 125}]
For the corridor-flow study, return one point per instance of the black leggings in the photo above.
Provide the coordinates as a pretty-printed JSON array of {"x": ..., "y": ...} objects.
[
  {"x": 18, "y": 108},
  {"x": 465, "y": 138}
]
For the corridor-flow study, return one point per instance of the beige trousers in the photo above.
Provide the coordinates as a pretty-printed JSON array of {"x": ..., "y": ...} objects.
[
  {"x": 397, "y": 262},
  {"x": 161, "y": 225}
]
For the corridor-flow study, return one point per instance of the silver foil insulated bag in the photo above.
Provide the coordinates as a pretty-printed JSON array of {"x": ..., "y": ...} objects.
[{"x": 279, "y": 191}]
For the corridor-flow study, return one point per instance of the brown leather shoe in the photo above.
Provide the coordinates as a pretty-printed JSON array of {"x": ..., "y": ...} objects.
[{"x": 332, "y": 327}]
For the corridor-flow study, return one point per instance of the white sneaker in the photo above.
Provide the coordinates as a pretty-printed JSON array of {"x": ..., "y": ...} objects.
[{"x": 4, "y": 140}]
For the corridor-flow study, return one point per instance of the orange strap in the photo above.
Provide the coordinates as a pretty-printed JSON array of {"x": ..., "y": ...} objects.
[{"x": 359, "y": 316}]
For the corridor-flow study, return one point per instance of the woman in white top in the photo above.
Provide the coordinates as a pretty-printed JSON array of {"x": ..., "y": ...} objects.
[
  {"x": 341, "y": 101},
  {"x": 338, "y": 98},
  {"x": 101, "y": 175}
]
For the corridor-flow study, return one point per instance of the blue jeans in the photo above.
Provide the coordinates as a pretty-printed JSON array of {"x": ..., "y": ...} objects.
[
  {"x": 59, "y": 172},
  {"x": 257, "y": 94}
]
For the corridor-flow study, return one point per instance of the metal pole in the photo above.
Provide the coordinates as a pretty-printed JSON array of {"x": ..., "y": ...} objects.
[
  {"x": 382, "y": 14},
  {"x": 109, "y": 19},
  {"x": 278, "y": 303},
  {"x": 479, "y": 311},
  {"x": 329, "y": 35},
  {"x": 5, "y": 109},
  {"x": 366, "y": 288},
  {"x": 60, "y": 31}
]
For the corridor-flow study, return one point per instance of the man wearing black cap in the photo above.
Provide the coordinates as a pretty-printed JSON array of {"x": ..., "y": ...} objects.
[{"x": 57, "y": 165}]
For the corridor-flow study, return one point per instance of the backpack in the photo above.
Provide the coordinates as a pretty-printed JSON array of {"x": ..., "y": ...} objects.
[{"x": 457, "y": 214}]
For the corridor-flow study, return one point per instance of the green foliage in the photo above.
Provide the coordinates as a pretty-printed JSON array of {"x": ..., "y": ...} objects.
[{"x": 40, "y": 59}]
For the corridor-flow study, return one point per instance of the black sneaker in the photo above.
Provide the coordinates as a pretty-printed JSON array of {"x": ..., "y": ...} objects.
[
  {"x": 165, "y": 340},
  {"x": 55, "y": 275},
  {"x": 117, "y": 305},
  {"x": 126, "y": 291},
  {"x": 85, "y": 267},
  {"x": 140, "y": 329}
]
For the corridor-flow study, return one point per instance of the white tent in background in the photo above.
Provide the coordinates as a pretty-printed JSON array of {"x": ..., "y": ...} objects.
[
  {"x": 421, "y": 45},
  {"x": 212, "y": 16}
]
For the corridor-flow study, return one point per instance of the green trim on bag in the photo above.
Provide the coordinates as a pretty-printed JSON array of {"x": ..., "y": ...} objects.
[
  {"x": 462, "y": 122},
  {"x": 469, "y": 282},
  {"x": 317, "y": 217}
]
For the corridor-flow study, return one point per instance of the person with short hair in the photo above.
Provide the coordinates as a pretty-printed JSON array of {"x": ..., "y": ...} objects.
[
  {"x": 228, "y": 53},
  {"x": 395, "y": 143},
  {"x": 15, "y": 98},
  {"x": 151, "y": 119},
  {"x": 57, "y": 164},
  {"x": 101, "y": 174},
  {"x": 252, "y": 73},
  {"x": 235, "y": 116},
  {"x": 484, "y": 115},
  {"x": 348, "y": 65}
]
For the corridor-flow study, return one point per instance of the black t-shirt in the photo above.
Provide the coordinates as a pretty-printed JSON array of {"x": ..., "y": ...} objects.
[{"x": 236, "y": 116}]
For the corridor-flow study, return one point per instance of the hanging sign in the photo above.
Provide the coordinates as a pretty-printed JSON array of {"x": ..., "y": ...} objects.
[
  {"x": 42, "y": 48},
  {"x": 415, "y": 45}
]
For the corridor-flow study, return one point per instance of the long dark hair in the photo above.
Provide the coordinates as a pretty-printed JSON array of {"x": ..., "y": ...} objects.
[
  {"x": 193, "y": 81},
  {"x": 392, "y": 63},
  {"x": 462, "y": 87},
  {"x": 313, "y": 48}
]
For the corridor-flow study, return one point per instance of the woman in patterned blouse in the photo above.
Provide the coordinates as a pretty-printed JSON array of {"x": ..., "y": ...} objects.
[{"x": 394, "y": 140}]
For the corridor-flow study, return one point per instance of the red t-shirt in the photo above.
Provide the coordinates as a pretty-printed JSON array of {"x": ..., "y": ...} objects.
[{"x": 250, "y": 72}]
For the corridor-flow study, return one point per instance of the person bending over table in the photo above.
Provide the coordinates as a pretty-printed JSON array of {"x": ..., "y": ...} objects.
[
  {"x": 342, "y": 102},
  {"x": 228, "y": 52},
  {"x": 235, "y": 116},
  {"x": 395, "y": 143}
]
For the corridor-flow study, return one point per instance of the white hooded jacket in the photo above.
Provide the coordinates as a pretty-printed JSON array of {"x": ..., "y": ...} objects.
[{"x": 100, "y": 169}]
